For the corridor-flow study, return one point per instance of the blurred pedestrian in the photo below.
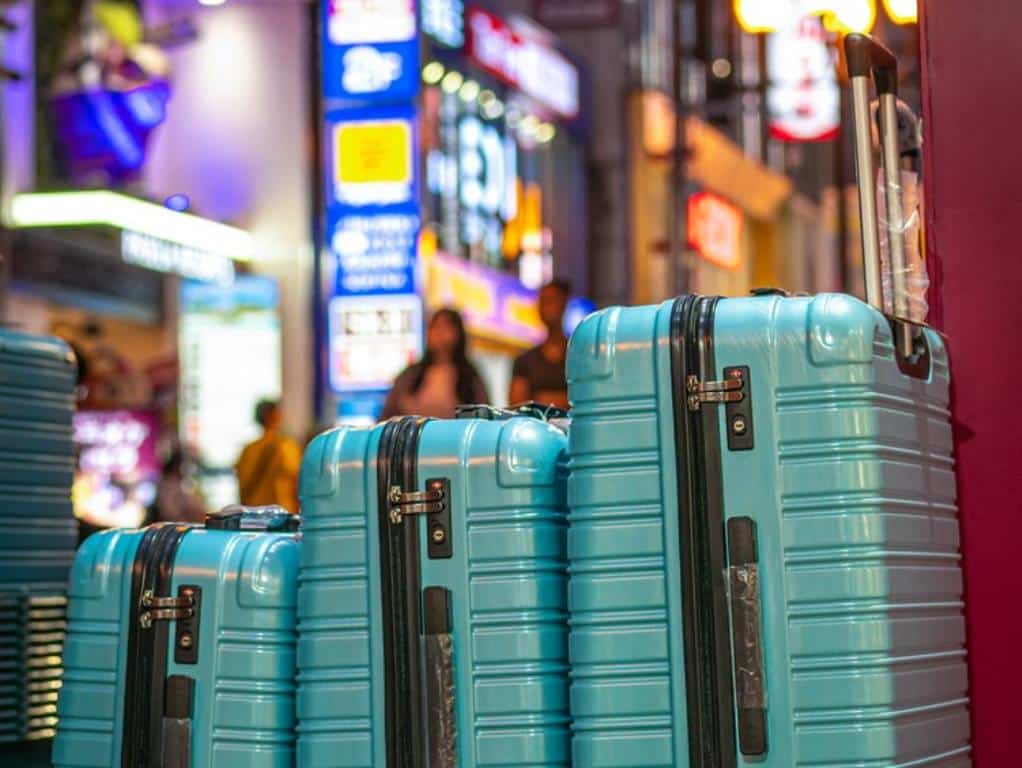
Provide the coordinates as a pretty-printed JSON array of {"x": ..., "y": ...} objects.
[
  {"x": 176, "y": 498},
  {"x": 538, "y": 375},
  {"x": 443, "y": 379},
  {"x": 268, "y": 467}
]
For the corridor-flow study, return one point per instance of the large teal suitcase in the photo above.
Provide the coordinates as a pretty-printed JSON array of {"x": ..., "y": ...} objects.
[
  {"x": 181, "y": 646},
  {"x": 432, "y": 597},
  {"x": 764, "y": 548}
]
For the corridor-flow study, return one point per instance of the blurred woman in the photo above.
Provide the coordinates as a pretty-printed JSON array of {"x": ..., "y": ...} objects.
[{"x": 443, "y": 379}]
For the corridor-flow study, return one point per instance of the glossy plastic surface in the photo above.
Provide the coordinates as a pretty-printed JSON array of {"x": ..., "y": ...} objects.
[
  {"x": 508, "y": 594},
  {"x": 850, "y": 484},
  {"x": 37, "y": 381},
  {"x": 244, "y": 692}
]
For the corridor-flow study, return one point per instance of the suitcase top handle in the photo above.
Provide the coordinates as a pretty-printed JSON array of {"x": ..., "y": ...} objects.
[
  {"x": 865, "y": 57},
  {"x": 264, "y": 519},
  {"x": 490, "y": 413}
]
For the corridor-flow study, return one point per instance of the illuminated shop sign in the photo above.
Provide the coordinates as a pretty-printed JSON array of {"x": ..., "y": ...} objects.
[
  {"x": 803, "y": 100},
  {"x": 375, "y": 253},
  {"x": 715, "y": 229},
  {"x": 117, "y": 473},
  {"x": 443, "y": 20},
  {"x": 229, "y": 347},
  {"x": 525, "y": 62},
  {"x": 374, "y": 159},
  {"x": 370, "y": 50},
  {"x": 372, "y": 339},
  {"x": 142, "y": 250},
  {"x": 494, "y": 304},
  {"x": 472, "y": 178}
]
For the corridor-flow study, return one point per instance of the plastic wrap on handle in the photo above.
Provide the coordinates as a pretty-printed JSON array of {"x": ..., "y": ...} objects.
[
  {"x": 906, "y": 274},
  {"x": 271, "y": 519},
  {"x": 438, "y": 644},
  {"x": 492, "y": 413}
]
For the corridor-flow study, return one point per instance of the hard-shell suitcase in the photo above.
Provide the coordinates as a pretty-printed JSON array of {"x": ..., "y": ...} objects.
[
  {"x": 180, "y": 650},
  {"x": 763, "y": 539},
  {"x": 32, "y": 625},
  {"x": 37, "y": 383},
  {"x": 432, "y": 597}
]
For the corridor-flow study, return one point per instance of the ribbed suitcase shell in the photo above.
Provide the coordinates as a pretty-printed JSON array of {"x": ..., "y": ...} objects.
[
  {"x": 37, "y": 383},
  {"x": 851, "y": 486},
  {"x": 508, "y": 579},
  {"x": 244, "y": 694}
]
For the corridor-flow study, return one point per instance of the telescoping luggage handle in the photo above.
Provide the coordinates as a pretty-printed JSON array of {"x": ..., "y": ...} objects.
[
  {"x": 867, "y": 57},
  {"x": 271, "y": 519}
]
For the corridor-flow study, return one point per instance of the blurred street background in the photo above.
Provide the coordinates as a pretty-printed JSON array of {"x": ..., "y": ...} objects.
[{"x": 228, "y": 203}]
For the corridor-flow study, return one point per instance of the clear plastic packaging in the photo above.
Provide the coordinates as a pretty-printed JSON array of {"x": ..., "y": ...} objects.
[{"x": 914, "y": 280}]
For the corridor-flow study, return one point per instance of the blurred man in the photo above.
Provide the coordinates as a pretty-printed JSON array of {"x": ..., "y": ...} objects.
[
  {"x": 268, "y": 468},
  {"x": 538, "y": 375}
]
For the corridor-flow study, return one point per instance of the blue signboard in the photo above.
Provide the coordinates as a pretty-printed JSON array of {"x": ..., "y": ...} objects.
[
  {"x": 370, "y": 50},
  {"x": 372, "y": 199}
]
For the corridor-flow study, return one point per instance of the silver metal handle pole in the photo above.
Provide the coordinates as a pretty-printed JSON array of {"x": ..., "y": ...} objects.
[
  {"x": 895, "y": 217},
  {"x": 865, "y": 173}
]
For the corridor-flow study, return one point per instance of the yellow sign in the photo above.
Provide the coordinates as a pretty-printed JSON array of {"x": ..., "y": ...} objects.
[
  {"x": 374, "y": 152},
  {"x": 902, "y": 11},
  {"x": 838, "y": 15}
]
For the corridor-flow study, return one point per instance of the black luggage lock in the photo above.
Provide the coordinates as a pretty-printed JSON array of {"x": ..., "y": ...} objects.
[{"x": 434, "y": 504}]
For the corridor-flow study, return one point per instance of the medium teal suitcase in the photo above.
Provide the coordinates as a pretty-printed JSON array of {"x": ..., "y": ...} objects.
[
  {"x": 180, "y": 650},
  {"x": 432, "y": 597}
]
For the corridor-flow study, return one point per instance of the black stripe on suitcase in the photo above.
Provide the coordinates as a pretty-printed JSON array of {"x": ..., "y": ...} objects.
[
  {"x": 397, "y": 463},
  {"x": 145, "y": 676},
  {"x": 708, "y": 659}
]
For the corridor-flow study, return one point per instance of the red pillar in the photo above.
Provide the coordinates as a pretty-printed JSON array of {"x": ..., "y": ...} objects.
[{"x": 972, "y": 72}]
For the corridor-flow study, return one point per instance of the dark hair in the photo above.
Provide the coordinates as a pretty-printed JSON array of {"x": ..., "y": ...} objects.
[
  {"x": 559, "y": 284},
  {"x": 467, "y": 373},
  {"x": 263, "y": 410}
]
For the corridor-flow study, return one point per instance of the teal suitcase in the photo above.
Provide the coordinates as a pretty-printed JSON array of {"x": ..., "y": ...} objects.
[
  {"x": 432, "y": 597},
  {"x": 37, "y": 401},
  {"x": 180, "y": 650},
  {"x": 764, "y": 546}
]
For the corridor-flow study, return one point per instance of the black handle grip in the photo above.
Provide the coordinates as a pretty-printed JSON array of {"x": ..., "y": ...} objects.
[
  {"x": 747, "y": 636},
  {"x": 865, "y": 55},
  {"x": 239, "y": 518},
  {"x": 492, "y": 413}
]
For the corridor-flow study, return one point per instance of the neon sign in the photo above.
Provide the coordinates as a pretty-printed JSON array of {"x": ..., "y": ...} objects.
[
  {"x": 715, "y": 229},
  {"x": 803, "y": 98},
  {"x": 526, "y": 63},
  {"x": 370, "y": 50}
]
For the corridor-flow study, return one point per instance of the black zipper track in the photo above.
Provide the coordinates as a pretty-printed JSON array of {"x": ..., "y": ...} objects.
[
  {"x": 146, "y": 672},
  {"x": 702, "y": 542},
  {"x": 397, "y": 463}
]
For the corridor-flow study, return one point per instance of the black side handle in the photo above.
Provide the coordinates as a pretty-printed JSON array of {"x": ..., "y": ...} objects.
[
  {"x": 866, "y": 55},
  {"x": 439, "y": 645},
  {"x": 264, "y": 519},
  {"x": 747, "y": 636},
  {"x": 178, "y": 705}
]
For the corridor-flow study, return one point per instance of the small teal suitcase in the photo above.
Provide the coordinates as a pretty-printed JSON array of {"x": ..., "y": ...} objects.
[
  {"x": 432, "y": 597},
  {"x": 764, "y": 547},
  {"x": 180, "y": 650}
]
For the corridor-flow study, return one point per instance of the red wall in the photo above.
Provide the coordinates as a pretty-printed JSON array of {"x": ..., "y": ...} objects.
[{"x": 972, "y": 99}]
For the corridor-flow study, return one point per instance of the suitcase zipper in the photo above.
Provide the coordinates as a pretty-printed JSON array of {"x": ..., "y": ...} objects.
[
  {"x": 397, "y": 462},
  {"x": 707, "y": 651},
  {"x": 146, "y": 669}
]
